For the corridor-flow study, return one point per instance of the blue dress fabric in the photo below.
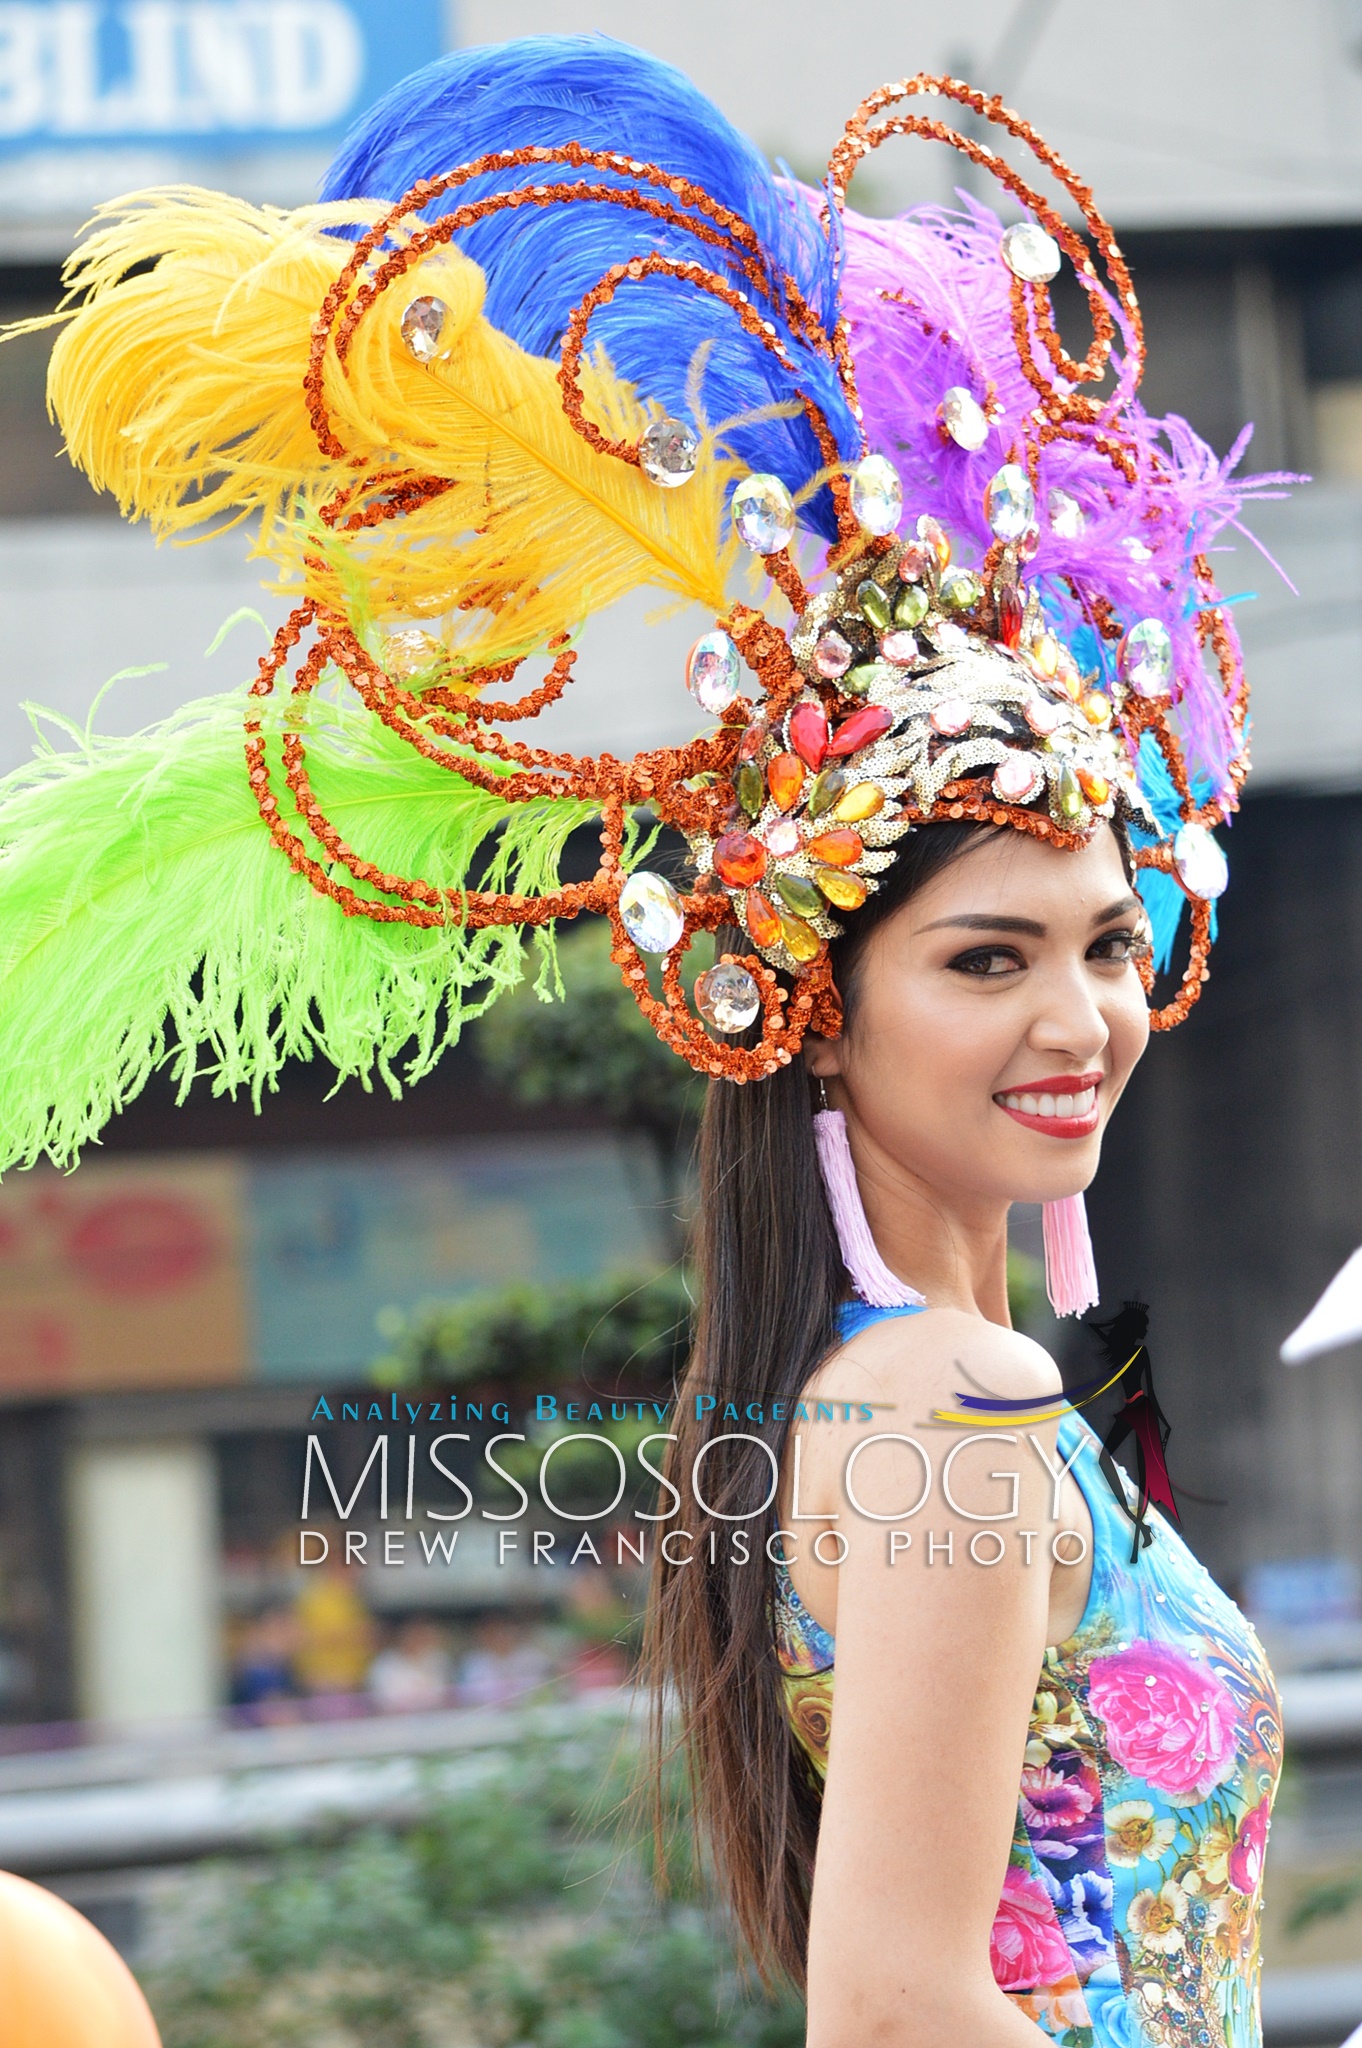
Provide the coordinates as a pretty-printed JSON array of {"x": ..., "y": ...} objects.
[{"x": 1130, "y": 1907}]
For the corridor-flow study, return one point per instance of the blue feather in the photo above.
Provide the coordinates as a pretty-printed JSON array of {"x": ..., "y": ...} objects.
[
  {"x": 539, "y": 261},
  {"x": 1161, "y": 894}
]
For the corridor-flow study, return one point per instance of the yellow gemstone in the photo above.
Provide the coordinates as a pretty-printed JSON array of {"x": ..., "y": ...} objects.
[
  {"x": 802, "y": 942},
  {"x": 864, "y": 800},
  {"x": 1097, "y": 708},
  {"x": 1047, "y": 654},
  {"x": 848, "y": 892}
]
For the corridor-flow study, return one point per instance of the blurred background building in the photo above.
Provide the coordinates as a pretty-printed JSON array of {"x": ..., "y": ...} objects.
[{"x": 169, "y": 1314}]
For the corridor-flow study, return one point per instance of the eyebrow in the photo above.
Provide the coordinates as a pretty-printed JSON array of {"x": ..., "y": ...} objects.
[{"x": 1028, "y": 927}]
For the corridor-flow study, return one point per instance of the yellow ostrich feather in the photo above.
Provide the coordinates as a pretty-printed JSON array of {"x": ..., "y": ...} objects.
[{"x": 178, "y": 383}]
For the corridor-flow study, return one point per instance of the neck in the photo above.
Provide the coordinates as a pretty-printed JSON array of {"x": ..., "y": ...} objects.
[{"x": 947, "y": 1242}]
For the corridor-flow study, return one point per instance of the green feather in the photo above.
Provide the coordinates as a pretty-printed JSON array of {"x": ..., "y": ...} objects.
[{"x": 147, "y": 919}]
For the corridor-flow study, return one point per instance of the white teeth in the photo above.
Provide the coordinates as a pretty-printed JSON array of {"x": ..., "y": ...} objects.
[{"x": 1059, "y": 1106}]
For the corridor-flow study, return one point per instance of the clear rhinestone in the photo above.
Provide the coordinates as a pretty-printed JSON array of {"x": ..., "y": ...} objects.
[
  {"x": 1017, "y": 779},
  {"x": 409, "y": 652},
  {"x": 899, "y": 647},
  {"x": 1067, "y": 517},
  {"x": 961, "y": 414},
  {"x": 651, "y": 912},
  {"x": 713, "y": 671},
  {"x": 727, "y": 997},
  {"x": 877, "y": 495},
  {"x": 422, "y": 325},
  {"x": 1200, "y": 862},
  {"x": 668, "y": 453},
  {"x": 1010, "y": 502},
  {"x": 1146, "y": 658},
  {"x": 763, "y": 513},
  {"x": 832, "y": 654},
  {"x": 1030, "y": 253}
]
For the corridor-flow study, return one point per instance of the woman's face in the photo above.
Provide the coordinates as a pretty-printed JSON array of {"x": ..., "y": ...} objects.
[{"x": 996, "y": 1019}]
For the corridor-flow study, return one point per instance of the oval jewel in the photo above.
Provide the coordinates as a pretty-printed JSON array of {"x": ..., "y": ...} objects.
[
  {"x": 877, "y": 495},
  {"x": 1200, "y": 862},
  {"x": 863, "y": 800},
  {"x": 873, "y": 600},
  {"x": 785, "y": 780},
  {"x": 1146, "y": 658},
  {"x": 963, "y": 418},
  {"x": 1067, "y": 517},
  {"x": 763, "y": 923},
  {"x": 749, "y": 746},
  {"x": 899, "y": 647},
  {"x": 422, "y": 325},
  {"x": 763, "y": 513},
  {"x": 1030, "y": 253},
  {"x": 827, "y": 790},
  {"x": 1068, "y": 793},
  {"x": 798, "y": 895},
  {"x": 840, "y": 848},
  {"x": 727, "y": 997},
  {"x": 832, "y": 654},
  {"x": 848, "y": 892},
  {"x": 1017, "y": 778},
  {"x": 1097, "y": 708},
  {"x": 961, "y": 589},
  {"x": 951, "y": 716},
  {"x": 808, "y": 730},
  {"x": 934, "y": 535},
  {"x": 802, "y": 942},
  {"x": 859, "y": 681},
  {"x": 713, "y": 671},
  {"x": 781, "y": 837},
  {"x": 910, "y": 606},
  {"x": 1009, "y": 502},
  {"x": 1042, "y": 715},
  {"x": 1094, "y": 784},
  {"x": 651, "y": 912},
  {"x": 668, "y": 453},
  {"x": 739, "y": 859},
  {"x": 751, "y": 789}
]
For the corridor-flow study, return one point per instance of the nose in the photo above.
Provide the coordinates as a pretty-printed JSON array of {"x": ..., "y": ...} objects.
[{"x": 1068, "y": 1019}]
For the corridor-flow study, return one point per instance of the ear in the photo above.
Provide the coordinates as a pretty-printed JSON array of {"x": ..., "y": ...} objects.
[{"x": 822, "y": 1056}]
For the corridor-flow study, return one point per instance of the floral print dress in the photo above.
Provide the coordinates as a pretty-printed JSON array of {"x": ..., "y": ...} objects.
[{"x": 1130, "y": 1905}]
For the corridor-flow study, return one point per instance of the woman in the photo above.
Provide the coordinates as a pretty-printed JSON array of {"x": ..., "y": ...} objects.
[{"x": 557, "y": 332}]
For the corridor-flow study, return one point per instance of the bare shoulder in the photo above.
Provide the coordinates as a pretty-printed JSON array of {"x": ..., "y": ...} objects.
[{"x": 942, "y": 1352}]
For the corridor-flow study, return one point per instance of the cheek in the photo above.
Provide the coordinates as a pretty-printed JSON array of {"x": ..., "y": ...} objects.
[
  {"x": 1128, "y": 1022},
  {"x": 925, "y": 1052}
]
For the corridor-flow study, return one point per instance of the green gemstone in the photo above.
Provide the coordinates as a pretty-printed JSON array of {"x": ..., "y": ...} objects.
[
  {"x": 874, "y": 603},
  {"x": 826, "y": 790},
  {"x": 858, "y": 680},
  {"x": 1068, "y": 793},
  {"x": 961, "y": 590},
  {"x": 910, "y": 606},
  {"x": 751, "y": 789},
  {"x": 799, "y": 896}
]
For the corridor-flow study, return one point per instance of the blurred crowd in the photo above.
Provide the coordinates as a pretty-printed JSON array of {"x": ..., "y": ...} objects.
[{"x": 326, "y": 1652}]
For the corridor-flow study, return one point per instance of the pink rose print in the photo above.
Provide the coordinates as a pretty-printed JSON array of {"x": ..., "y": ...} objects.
[
  {"x": 1050, "y": 1800},
  {"x": 1025, "y": 1946},
  {"x": 1244, "y": 1864},
  {"x": 1169, "y": 1720}
]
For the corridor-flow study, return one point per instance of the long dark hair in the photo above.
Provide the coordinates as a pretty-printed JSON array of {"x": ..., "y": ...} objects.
[{"x": 771, "y": 1279}]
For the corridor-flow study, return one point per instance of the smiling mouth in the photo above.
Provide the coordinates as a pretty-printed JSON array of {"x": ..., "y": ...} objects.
[{"x": 1062, "y": 1107}]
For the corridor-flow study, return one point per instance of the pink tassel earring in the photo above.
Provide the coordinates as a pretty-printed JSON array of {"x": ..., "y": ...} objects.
[
  {"x": 1070, "y": 1274},
  {"x": 872, "y": 1279}
]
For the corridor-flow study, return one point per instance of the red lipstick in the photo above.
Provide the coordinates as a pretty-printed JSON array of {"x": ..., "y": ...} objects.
[{"x": 1081, "y": 1124}]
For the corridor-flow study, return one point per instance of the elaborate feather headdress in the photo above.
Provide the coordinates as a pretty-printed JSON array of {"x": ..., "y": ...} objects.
[{"x": 555, "y": 333}]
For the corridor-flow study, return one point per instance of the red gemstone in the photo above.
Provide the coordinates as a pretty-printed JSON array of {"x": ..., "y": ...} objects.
[
  {"x": 1009, "y": 617},
  {"x": 809, "y": 734},
  {"x": 739, "y": 859},
  {"x": 785, "y": 779},
  {"x": 763, "y": 923},
  {"x": 751, "y": 741},
  {"x": 858, "y": 730}
]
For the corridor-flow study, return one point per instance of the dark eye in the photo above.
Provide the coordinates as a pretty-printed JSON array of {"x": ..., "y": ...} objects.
[
  {"x": 1122, "y": 948},
  {"x": 987, "y": 961}
]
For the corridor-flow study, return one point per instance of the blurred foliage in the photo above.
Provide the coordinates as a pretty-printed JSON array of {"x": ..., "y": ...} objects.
[
  {"x": 578, "y": 1332},
  {"x": 598, "y": 1049},
  {"x": 1026, "y": 1297},
  {"x": 517, "y": 1913},
  {"x": 1327, "y": 1899}
]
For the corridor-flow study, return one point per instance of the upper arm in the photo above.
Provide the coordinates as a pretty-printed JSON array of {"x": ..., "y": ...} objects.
[{"x": 937, "y": 1658}]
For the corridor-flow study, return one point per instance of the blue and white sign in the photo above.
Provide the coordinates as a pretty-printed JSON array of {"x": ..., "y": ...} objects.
[{"x": 218, "y": 75}]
